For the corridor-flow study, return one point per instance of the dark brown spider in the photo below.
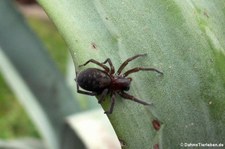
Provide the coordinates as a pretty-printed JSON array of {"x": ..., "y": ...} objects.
[{"x": 103, "y": 82}]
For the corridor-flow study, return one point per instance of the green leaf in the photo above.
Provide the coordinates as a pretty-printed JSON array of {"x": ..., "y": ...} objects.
[{"x": 184, "y": 39}]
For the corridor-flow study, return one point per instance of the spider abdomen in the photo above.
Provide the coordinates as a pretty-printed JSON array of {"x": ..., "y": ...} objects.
[{"x": 93, "y": 79}]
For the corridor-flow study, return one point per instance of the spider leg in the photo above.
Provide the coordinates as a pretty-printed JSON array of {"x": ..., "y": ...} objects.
[
  {"x": 112, "y": 71},
  {"x": 112, "y": 105},
  {"x": 97, "y": 63},
  {"x": 140, "y": 69},
  {"x": 124, "y": 64},
  {"x": 102, "y": 96},
  {"x": 130, "y": 97}
]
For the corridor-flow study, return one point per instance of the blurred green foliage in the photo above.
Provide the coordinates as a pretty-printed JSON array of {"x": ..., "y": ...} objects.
[
  {"x": 55, "y": 44},
  {"x": 14, "y": 121}
]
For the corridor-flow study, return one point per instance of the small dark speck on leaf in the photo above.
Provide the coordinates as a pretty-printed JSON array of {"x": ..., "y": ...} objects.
[
  {"x": 156, "y": 124},
  {"x": 106, "y": 18},
  {"x": 93, "y": 45},
  {"x": 206, "y": 14},
  {"x": 156, "y": 146}
]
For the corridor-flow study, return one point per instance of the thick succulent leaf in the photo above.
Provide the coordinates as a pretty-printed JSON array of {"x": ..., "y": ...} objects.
[{"x": 184, "y": 39}]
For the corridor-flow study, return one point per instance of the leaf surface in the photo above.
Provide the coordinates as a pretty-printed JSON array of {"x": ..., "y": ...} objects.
[{"x": 184, "y": 39}]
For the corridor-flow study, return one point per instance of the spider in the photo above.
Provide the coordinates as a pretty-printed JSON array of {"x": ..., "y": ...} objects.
[{"x": 106, "y": 82}]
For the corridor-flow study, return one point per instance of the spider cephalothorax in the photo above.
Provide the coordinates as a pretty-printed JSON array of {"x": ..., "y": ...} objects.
[{"x": 103, "y": 82}]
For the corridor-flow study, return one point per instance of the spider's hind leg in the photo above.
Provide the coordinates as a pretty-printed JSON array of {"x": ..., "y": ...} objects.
[
  {"x": 112, "y": 105},
  {"x": 124, "y": 64},
  {"x": 130, "y": 97},
  {"x": 103, "y": 95},
  {"x": 97, "y": 63},
  {"x": 112, "y": 71}
]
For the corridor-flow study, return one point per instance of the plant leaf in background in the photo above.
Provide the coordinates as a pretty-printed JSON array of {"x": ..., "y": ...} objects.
[
  {"x": 184, "y": 39},
  {"x": 34, "y": 78}
]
